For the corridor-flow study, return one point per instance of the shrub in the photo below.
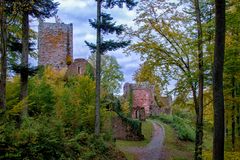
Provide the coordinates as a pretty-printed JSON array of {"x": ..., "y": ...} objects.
[
  {"x": 41, "y": 97},
  {"x": 60, "y": 121},
  {"x": 182, "y": 127},
  {"x": 184, "y": 130},
  {"x": 166, "y": 119},
  {"x": 12, "y": 92},
  {"x": 227, "y": 155}
]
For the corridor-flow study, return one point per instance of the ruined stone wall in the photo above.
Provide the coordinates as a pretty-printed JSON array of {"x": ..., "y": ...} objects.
[
  {"x": 78, "y": 67},
  {"x": 142, "y": 98},
  {"x": 143, "y": 101},
  {"x": 143, "y": 86},
  {"x": 123, "y": 131},
  {"x": 55, "y": 41}
]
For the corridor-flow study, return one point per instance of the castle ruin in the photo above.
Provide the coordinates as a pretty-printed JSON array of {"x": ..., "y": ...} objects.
[
  {"x": 143, "y": 101},
  {"x": 55, "y": 44},
  {"x": 79, "y": 67}
]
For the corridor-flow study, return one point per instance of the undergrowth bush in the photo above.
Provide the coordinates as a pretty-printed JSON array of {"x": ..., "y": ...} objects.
[
  {"x": 60, "y": 120},
  {"x": 136, "y": 125},
  {"x": 183, "y": 129},
  {"x": 207, "y": 155},
  {"x": 182, "y": 126},
  {"x": 166, "y": 119}
]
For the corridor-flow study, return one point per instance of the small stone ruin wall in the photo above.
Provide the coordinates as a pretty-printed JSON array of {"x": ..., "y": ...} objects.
[
  {"x": 78, "y": 67},
  {"x": 124, "y": 131}
]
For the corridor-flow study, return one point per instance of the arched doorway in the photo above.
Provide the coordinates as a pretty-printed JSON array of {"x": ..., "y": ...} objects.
[{"x": 140, "y": 113}]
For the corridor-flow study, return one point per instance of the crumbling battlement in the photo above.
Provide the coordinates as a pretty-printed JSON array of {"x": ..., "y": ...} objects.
[{"x": 142, "y": 86}]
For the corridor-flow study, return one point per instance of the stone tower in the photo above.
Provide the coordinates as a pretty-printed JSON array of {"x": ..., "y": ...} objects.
[
  {"x": 143, "y": 101},
  {"x": 55, "y": 44}
]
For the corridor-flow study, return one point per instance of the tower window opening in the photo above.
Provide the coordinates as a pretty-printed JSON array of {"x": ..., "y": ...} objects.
[{"x": 79, "y": 70}]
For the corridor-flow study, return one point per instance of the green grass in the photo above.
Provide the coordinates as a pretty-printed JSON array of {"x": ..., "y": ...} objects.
[
  {"x": 129, "y": 156},
  {"x": 175, "y": 148},
  {"x": 182, "y": 126},
  {"x": 147, "y": 131},
  {"x": 228, "y": 143},
  {"x": 229, "y": 153},
  {"x": 207, "y": 155},
  {"x": 180, "y": 149}
]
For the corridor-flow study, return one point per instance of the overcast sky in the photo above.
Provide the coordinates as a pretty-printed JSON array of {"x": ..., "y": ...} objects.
[{"x": 78, "y": 12}]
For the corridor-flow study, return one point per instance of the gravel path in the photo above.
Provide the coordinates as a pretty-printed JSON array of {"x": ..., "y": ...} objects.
[{"x": 153, "y": 151}]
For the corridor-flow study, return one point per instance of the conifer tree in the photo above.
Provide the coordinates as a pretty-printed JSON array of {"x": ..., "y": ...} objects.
[
  {"x": 10, "y": 43},
  {"x": 104, "y": 25},
  {"x": 37, "y": 9},
  {"x": 3, "y": 51}
]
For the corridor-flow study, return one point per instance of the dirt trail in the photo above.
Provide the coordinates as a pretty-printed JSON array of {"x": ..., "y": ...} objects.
[{"x": 153, "y": 151}]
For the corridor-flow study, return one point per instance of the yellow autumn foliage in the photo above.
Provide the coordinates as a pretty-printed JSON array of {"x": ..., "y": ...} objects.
[
  {"x": 207, "y": 155},
  {"x": 17, "y": 109},
  {"x": 125, "y": 107},
  {"x": 53, "y": 76},
  {"x": 68, "y": 59}
]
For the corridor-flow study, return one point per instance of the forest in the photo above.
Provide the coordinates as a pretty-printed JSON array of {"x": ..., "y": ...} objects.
[{"x": 47, "y": 114}]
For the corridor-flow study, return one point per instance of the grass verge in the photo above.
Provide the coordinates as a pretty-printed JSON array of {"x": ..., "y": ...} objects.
[
  {"x": 174, "y": 148},
  {"x": 147, "y": 131},
  {"x": 182, "y": 126}
]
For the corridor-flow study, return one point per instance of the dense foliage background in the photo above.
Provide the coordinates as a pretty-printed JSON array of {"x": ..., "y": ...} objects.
[{"x": 60, "y": 121}]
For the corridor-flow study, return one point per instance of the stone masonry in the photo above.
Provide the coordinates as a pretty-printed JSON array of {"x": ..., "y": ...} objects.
[
  {"x": 78, "y": 67},
  {"x": 55, "y": 43},
  {"x": 143, "y": 101},
  {"x": 124, "y": 131}
]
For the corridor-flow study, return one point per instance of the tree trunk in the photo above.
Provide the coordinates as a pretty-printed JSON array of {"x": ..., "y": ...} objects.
[
  {"x": 238, "y": 119},
  {"x": 195, "y": 100},
  {"x": 238, "y": 109},
  {"x": 24, "y": 60},
  {"x": 3, "y": 47},
  {"x": 199, "y": 113},
  {"x": 226, "y": 125},
  {"x": 98, "y": 70},
  {"x": 233, "y": 113},
  {"x": 218, "y": 98}
]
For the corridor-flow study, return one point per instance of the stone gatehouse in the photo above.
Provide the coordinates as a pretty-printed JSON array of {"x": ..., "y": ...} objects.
[{"x": 144, "y": 102}]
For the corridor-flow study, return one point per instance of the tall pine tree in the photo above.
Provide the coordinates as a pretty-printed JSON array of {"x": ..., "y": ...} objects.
[
  {"x": 104, "y": 25},
  {"x": 36, "y": 9},
  {"x": 3, "y": 51}
]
